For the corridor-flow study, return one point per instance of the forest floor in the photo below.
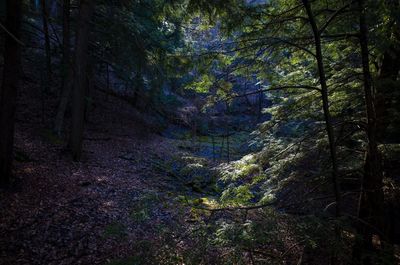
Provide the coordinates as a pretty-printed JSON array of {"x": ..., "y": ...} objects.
[{"x": 113, "y": 204}]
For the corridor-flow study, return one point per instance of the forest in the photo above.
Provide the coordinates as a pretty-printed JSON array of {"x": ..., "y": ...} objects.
[{"x": 141, "y": 132}]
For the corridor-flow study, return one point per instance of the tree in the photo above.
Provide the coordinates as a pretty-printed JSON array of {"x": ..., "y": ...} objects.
[
  {"x": 387, "y": 61},
  {"x": 371, "y": 200},
  {"x": 332, "y": 58},
  {"x": 66, "y": 70},
  {"x": 8, "y": 93},
  {"x": 325, "y": 103},
  {"x": 86, "y": 9},
  {"x": 45, "y": 22}
]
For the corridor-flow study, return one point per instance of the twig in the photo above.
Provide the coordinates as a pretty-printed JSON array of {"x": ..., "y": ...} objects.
[{"x": 11, "y": 35}]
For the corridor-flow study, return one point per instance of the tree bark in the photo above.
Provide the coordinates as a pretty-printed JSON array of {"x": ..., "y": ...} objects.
[
  {"x": 138, "y": 85},
  {"x": 62, "y": 106},
  {"x": 86, "y": 9},
  {"x": 33, "y": 4},
  {"x": 371, "y": 201},
  {"x": 67, "y": 73},
  {"x": 325, "y": 104},
  {"x": 387, "y": 75},
  {"x": 47, "y": 44},
  {"x": 90, "y": 92},
  {"x": 8, "y": 93},
  {"x": 66, "y": 41}
]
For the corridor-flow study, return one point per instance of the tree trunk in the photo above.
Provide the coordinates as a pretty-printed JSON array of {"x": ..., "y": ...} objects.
[
  {"x": 62, "y": 106},
  {"x": 34, "y": 5},
  {"x": 67, "y": 73},
  {"x": 86, "y": 9},
  {"x": 371, "y": 201},
  {"x": 138, "y": 87},
  {"x": 66, "y": 41},
  {"x": 260, "y": 102},
  {"x": 387, "y": 76},
  {"x": 45, "y": 22},
  {"x": 90, "y": 92},
  {"x": 325, "y": 104},
  {"x": 8, "y": 93},
  {"x": 388, "y": 73}
]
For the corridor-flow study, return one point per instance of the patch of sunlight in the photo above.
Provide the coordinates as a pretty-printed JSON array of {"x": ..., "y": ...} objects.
[{"x": 249, "y": 159}]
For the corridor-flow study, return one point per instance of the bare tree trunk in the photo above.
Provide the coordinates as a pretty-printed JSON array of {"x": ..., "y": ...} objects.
[
  {"x": 108, "y": 80},
  {"x": 62, "y": 106},
  {"x": 66, "y": 41},
  {"x": 90, "y": 92},
  {"x": 325, "y": 104},
  {"x": 45, "y": 22},
  {"x": 384, "y": 104},
  {"x": 213, "y": 147},
  {"x": 371, "y": 201},
  {"x": 67, "y": 73},
  {"x": 221, "y": 154},
  {"x": 260, "y": 102},
  {"x": 212, "y": 133},
  {"x": 227, "y": 143},
  {"x": 388, "y": 73},
  {"x": 138, "y": 85},
  {"x": 387, "y": 76},
  {"x": 8, "y": 93},
  {"x": 86, "y": 9}
]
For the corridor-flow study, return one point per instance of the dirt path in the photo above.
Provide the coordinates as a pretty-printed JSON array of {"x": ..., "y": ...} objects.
[{"x": 111, "y": 205}]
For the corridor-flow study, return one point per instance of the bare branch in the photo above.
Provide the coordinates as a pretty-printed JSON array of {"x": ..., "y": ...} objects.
[{"x": 11, "y": 35}]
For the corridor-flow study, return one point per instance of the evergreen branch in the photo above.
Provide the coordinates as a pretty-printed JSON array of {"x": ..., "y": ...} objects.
[
  {"x": 273, "y": 89},
  {"x": 331, "y": 18}
]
